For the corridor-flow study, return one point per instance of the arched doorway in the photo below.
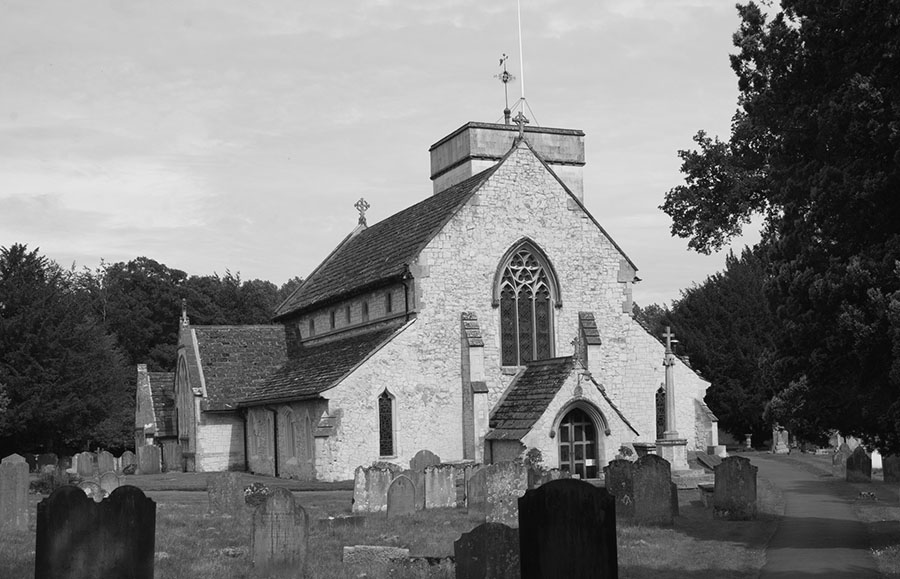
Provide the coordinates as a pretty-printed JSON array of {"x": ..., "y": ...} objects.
[{"x": 578, "y": 444}]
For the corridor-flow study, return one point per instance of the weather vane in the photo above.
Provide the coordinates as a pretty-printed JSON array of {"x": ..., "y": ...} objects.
[
  {"x": 505, "y": 77},
  {"x": 362, "y": 206}
]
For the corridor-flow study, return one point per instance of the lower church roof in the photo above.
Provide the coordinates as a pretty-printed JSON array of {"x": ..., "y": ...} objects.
[{"x": 528, "y": 397}]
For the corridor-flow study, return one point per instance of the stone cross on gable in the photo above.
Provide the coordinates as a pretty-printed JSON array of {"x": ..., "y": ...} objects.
[
  {"x": 668, "y": 335},
  {"x": 185, "y": 320},
  {"x": 521, "y": 120},
  {"x": 362, "y": 206}
]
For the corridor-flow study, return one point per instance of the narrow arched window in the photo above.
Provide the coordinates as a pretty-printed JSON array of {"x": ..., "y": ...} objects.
[
  {"x": 385, "y": 424},
  {"x": 526, "y": 297}
]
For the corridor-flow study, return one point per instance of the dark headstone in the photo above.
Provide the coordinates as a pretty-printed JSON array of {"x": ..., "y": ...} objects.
[
  {"x": 48, "y": 458},
  {"x": 148, "y": 459},
  {"x": 80, "y": 539},
  {"x": 859, "y": 466},
  {"x": 567, "y": 528},
  {"x": 735, "y": 494},
  {"x": 172, "y": 457},
  {"x": 839, "y": 461},
  {"x": 401, "y": 497},
  {"x": 226, "y": 493},
  {"x": 619, "y": 477},
  {"x": 14, "y": 493},
  {"x": 890, "y": 465},
  {"x": 280, "y": 534},
  {"x": 489, "y": 551},
  {"x": 422, "y": 459},
  {"x": 105, "y": 462},
  {"x": 653, "y": 491}
]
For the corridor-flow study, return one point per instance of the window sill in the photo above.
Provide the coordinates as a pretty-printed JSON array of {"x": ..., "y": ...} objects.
[{"x": 510, "y": 370}]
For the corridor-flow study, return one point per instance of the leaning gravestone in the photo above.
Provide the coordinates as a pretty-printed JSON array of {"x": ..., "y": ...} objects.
[
  {"x": 370, "y": 488},
  {"x": 890, "y": 465},
  {"x": 127, "y": 459},
  {"x": 440, "y": 486},
  {"x": 48, "y": 458},
  {"x": 859, "y": 466},
  {"x": 401, "y": 497},
  {"x": 225, "y": 493},
  {"x": 489, "y": 551},
  {"x": 506, "y": 482},
  {"x": 105, "y": 461},
  {"x": 734, "y": 497},
  {"x": 109, "y": 481},
  {"x": 148, "y": 459},
  {"x": 619, "y": 477},
  {"x": 839, "y": 461},
  {"x": 80, "y": 539},
  {"x": 423, "y": 459},
  {"x": 653, "y": 491},
  {"x": 280, "y": 534},
  {"x": 567, "y": 528},
  {"x": 14, "y": 493}
]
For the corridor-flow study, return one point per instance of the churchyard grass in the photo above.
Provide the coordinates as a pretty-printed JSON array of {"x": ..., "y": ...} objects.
[{"x": 193, "y": 544}]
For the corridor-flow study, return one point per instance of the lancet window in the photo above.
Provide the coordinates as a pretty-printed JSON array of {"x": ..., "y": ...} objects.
[
  {"x": 386, "y": 424},
  {"x": 527, "y": 294}
]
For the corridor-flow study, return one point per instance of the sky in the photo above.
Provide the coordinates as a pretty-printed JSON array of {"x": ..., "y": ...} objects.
[{"x": 215, "y": 135}]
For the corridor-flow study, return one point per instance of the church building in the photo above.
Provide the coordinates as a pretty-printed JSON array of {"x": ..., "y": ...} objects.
[{"x": 492, "y": 317}]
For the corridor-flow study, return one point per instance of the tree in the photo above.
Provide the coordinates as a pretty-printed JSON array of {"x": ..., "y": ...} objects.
[{"x": 815, "y": 149}]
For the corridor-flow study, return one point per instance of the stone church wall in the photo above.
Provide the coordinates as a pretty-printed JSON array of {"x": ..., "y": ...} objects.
[{"x": 220, "y": 442}]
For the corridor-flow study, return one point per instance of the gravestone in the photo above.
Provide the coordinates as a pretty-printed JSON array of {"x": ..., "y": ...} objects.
[
  {"x": 370, "y": 488},
  {"x": 105, "y": 461},
  {"x": 80, "y": 539},
  {"x": 423, "y": 459},
  {"x": 619, "y": 478},
  {"x": 891, "y": 468},
  {"x": 418, "y": 479},
  {"x": 538, "y": 477},
  {"x": 859, "y": 466},
  {"x": 86, "y": 464},
  {"x": 280, "y": 534},
  {"x": 734, "y": 497},
  {"x": 567, "y": 528},
  {"x": 839, "y": 461},
  {"x": 92, "y": 490},
  {"x": 48, "y": 458},
  {"x": 226, "y": 493},
  {"x": 172, "y": 457},
  {"x": 489, "y": 551},
  {"x": 653, "y": 491},
  {"x": 476, "y": 492},
  {"x": 401, "y": 497},
  {"x": 440, "y": 486},
  {"x": 506, "y": 482},
  {"x": 14, "y": 493},
  {"x": 127, "y": 459},
  {"x": 368, "y": 555},
  {"x": 148, "y": 459},
  {"x": 780, "y": 441},
  {"x": 109, "y": 481}
]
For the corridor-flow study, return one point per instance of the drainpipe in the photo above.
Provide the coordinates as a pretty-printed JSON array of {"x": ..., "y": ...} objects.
[
  {"x": 404, "y": 278},
  {"x": 245, "y": 414}
]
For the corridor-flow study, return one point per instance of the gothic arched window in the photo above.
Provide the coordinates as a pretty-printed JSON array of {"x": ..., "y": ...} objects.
[
  {"x": 386, "y": 424},
  {"x": 527, "y": 292}
]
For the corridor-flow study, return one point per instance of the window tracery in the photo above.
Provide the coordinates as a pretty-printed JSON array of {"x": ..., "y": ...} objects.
[{"x": 526, "y": 298}]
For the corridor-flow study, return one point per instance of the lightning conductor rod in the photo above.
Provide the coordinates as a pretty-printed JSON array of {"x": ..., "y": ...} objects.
[{"x": 521, "y": 53}]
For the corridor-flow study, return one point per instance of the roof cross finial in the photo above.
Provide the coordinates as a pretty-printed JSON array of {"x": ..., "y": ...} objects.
[
  {"x": 185, "y": 320},
  {"x": 669, "y": 336},
  {"x": 505, "y": 77},
  {"x": 521, "y": 120},
  {"x": 362, "y": 206}
]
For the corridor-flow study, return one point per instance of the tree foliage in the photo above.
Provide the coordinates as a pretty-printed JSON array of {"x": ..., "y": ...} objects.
[{"x": 815, "y": 148}]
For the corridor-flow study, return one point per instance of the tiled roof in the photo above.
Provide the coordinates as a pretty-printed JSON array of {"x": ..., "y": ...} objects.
[
  {"x": 162, "y": 396},
  {"x": 528, "y": 397},
  {"x": 382, "y": 251},
  {"x": 232, "y": 357},
  {"x": 318, "y": 367}
]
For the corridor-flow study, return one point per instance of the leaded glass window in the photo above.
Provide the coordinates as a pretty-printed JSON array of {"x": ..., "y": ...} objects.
[
  {"x": 526, "y": 325},
  {"x": 660, "y": 413},
  {"x": 385, "y": 424}
]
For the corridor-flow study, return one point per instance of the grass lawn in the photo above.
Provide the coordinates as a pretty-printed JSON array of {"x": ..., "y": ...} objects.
[{"x": 193, "y": 544}]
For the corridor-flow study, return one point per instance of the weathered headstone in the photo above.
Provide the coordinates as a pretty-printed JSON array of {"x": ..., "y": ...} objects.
[
  {"x": 859, "y": 466},
  {"x": 891, "y": 468},
  {"x": 80, "y": 539},
  {"x": 86, "y": 464},
  {"x": 226, "y": 493},
  {"x": 148, "y": 458},
  {"x": 370, "y": 488},
  {"x": 489, "y": 551},
  {"x": 506, "y": 483},
  {"x": 652, "y": 480},
  {"x": 619, "y": 477},
  {"x": 780, "y": 441},
  {"x": 280, "y": 534},
  {"x": 48, "y": 458},
  {"x": 440, "y": 486},
  {"x": 109, "y": 481},
  {"x": 748, "y": 441},
  {"x": 839, "y": 461},
  {"x": 92, "y": 490},
  {"x": 567, "y": 528},
  {"x": 734, "y": 497},
  {"x": 476, "y": 492},
  {"x": 105, "y": 461},
  {"x": 422, "y": 459},
  {"x": 172, "y": 457},
  {"x": 14, "y": 493},
  {"x": 401, "y": 497},
  {"x": 127, "y": 459},
  {"x": 418, "y": 479}
]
